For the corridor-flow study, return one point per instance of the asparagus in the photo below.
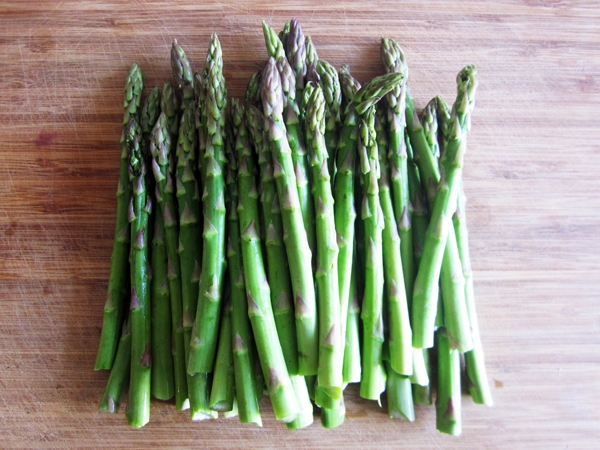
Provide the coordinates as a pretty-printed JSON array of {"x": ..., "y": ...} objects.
[
  {"x": 295, "y": 239},
  {"x": 244, "y": 352},
  {"x": 278, "y": 273},
  {"x": 393, "y": 60},
  {"x": 375, "y": 90},
  {"x": 182, "y": 72},
  {"x": 332, "y": 418},
  {"x": 200, "y": 116},
  {"x": 204, "y": 336},
  {"x": 295, "y": 50},
  {"x": 162, "y": 374},
  {"x": 119, "y": 374},
  {"x": 421, "y": 392},
  {"x": 300, "y": 157},
  {"x": 448, "y": 400},
  {"x": 400, "y": 335},
  {"x": 477, "y": 381},
  {"x": 222, "y": 393},
  {"x": 399, "y": 395},
  {"x": 253, "y": 90},
  {"x": 331, "y": 356},
  {"x": 258, "y": 291},
  {"x": 170, "y": 104},
  {"x": 274, "y": 45},
  {"x": 140, "y": 207},
  {"x": 312, "y": 58},
  {"x": 344, "y": 210},
  {"x": 418, "y": 200},
  {"x": 373, "y": 373},
  {"x": 305, "y": 407},
  {"x": 426, "y": 283},
  {"x": 332, "y": 91},
  {"x": 352, "y": 360},
  {"x": 118, "y": 283}
]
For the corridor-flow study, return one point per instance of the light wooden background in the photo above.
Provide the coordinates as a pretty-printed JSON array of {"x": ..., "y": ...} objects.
[{"x": 531, "y": 177}]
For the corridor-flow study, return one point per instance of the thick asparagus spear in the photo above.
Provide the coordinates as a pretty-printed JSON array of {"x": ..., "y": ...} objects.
[
  {"x": 162, "y": 375},
  {"x": 477, "y": 381},
  {"x": 118, "y": 283},
  {"x": 278, "y": 271},
  {"x": 426, "y": 283},
  {"x": 204, "y": 336},
  {"x": 182, "y": 72},
  {"x": 247, "y": 390},
  {"x": 331, "y": 356},
  {"x": 399, "y": 395},
  {"x": 393, "y": 60},
  {"x": 138, "y": 407},
  {"x": 300, "y": 158},
  {"x": 373, "y": 373},
  {"x": 400, "y": 335},
  {"x": 118, "y": 379},
  {"x": 296, "y": 242},
  {"x": 448, "y": 399},
  {"x": 258, "y": 292}
]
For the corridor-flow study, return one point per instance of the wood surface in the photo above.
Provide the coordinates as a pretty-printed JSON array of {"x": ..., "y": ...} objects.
[{"x": 531, "y": 178}]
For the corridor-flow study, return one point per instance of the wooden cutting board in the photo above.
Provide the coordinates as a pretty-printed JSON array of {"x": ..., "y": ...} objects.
[{"x": 531, "y": 177}]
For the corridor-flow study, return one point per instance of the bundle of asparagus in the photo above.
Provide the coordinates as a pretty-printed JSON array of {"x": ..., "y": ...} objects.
[{"x": 310, "y": 237}]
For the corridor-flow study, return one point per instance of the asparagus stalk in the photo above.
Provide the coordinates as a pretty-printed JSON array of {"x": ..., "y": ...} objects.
[
  {"x": 138, "y": 407},
  {"x": 162, "y": 374},
  {"x": 399, "y": 395},
  {"x": 421, "y": 371},
  {"x": 400, "y": 335},
  {"x": 332, "y": 91},
  {"x": 375, "y": 90},
  {"x": 253, "y": 90},
  {"x": 426, "y": 283},
  {"x": 305, "y": 407},
  {"x": 344, "y": 210},
  {"x": 119, "y": 374},
  {"x": 393, "y": 60},
  {"x": 352, "y": 361},
  {"x": 334, "y": 417},
  {"x": 331, "y": 356},
  {"x": 477, "y": 381},
  {"x": 448, "y": 400},
  {"x": 222, "y": 393},
  {"x": 200, "y": 116},
  {"x": 295, "y": 239},
  {"x": 182, "y": 72},
  {"x": 204, "y": 336},
  {"x": 295, "y": 51},
  {"x": 244, "y": 352},
  {"x": 274, "y": 45},
  {"x": 118, "y": 283},
  {"x": 300, "y": 157},
  {"x": 418, "y": 200},
  {"x": 278, "y": 273},
  {"x": 373, "y": 373},
  {"x": 170, "y": 104},
  {"x": 312, "y": 58}
]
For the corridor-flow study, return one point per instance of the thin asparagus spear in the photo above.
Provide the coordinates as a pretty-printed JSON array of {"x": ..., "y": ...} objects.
[
  {"x": 205, "y": 333},
  {"x": 399, "y": 395},
  {"x": 200, "y": 116},
  {"x": 274, "y": 45},
  {"x": 312, "y": 58},
  {"x": 474, "y": 359},
  {"x": 352, "y": 361},
  {"x": 331, "y": 356},
  {"x": 295, "y": 50},
  {"x": 332, "y": 91},
  {"x": 393, "y": 60},
  {"x": 448, "y": 400},
  {"x": 295, "y": 239},
  {"x": 253, "y": 90},
  {"x": 426, "y": 283},
  {"x": 421, "y": 393},
  {"x": 170, "y": 104},
  {"x": 284, "y": 33},
  {"x": 138, "y": 407},
  {"x": 375, "y": 90},
  {"x": 305, "y": 407},
  {"x": 300, "y": 157},
  {"x": 182, "y": 72},
  {"x": 222, "y": 393},
  {"x": 244, "y": 351},
  {"x": 373, "y": 373},
  {"x": 400, "y": 335},
  {"x": 119, "y": 374},
  {"x": 278, "y": 272},
  {"x": 118, "y": 283},
  {"x": 162, "y": 374}
]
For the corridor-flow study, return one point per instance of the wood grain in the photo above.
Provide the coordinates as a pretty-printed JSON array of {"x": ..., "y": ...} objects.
[{"x": 531, "y": 178}]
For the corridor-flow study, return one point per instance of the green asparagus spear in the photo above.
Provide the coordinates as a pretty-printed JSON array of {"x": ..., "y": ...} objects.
[
  {"x": 332, "y": 91},
  {"x": 400, "y": 335},
  {"x": 477, "y": 381},
  {"x": 204, "y": 336},
  {"x": 118, "y": 379},
  {"x": 118, "y": 284},
  {"x": 352, "y": 357},
  {"x": 295, "y": 50},
  {"x": 182, "y": 72},
  {"x": 312, "y": 58},
  {"x": 222, "y": 393},
  {"x": 393, "y": 60},
  {"x": 258, "y": 292},
  {"x": 253, "y": 90},
  {"x": 305, "y": 407},
  {"x": 284, "y": 33},
  {"x": 300, "y": 157},
  {"x": 426, "y": 283},
  {"x": 170, "y": 104},
  {"x": 331, "y": 356},
  {"x": 138, "y": 407},
  {"x": 278, "y": 272},
  {"x": 373, "y": 373},
  {"x": 162, "y": 375},
  {"x": 375, "y": 90},
  {"x": 244, "y": 351},
  {"x": 448, "y": 400},
  {"x": 399, "y": 395},
  {"x": 274, "y": 45},
  {"x": 295, "y": 239}
]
